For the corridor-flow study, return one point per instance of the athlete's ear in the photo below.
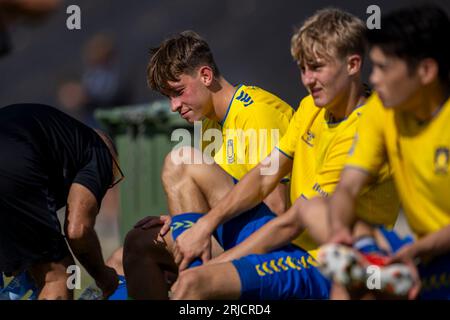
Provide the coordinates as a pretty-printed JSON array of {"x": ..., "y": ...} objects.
[
  {"x": 206, "y": 75},
  {"x": 354, "y": 63},
  {"x": 428, "y": 71}
]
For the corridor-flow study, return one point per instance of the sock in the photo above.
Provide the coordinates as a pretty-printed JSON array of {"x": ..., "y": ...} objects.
[
  {"x": 394, "y": 240},
  {"x": 18, "y": 287},
  {"x": 367, "y": 245},
  {"x": 181, "y": 223},
  {"x": 121, "y": 292}
]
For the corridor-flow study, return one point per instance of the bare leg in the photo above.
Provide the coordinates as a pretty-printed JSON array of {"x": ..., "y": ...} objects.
[
  {"x": 51, "y": 279},
  {"x": 193, "y": 187},
  {"x": 216, "y": 281},
  {"x": 147, "y": 257}
]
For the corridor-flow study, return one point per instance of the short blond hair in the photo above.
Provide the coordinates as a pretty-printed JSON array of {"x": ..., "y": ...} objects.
[{"x": 329, "y": 33}]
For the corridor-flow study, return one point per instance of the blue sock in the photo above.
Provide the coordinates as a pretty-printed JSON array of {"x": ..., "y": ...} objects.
[
  {"x": 395, "y": 242},
  {"x": 367, "y": 245},
  {"x": 121, "y": 292},
  {"x": 18, "y": 287},
  {"x": 181, "y": 223}
]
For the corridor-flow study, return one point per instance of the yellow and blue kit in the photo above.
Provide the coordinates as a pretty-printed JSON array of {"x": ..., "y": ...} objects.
[
  {"x": 253, "y": 121},
  {"x": 254, "y": 109},
  {"x": 319, "y": 148},
  {"x": 419, "y": 154}
]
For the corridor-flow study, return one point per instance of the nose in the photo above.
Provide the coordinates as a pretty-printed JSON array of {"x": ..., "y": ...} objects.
[
  {"x": 374, "y": 77},
  {"x": 308, "y": 78},
  {"x": 175, "y": 104}
]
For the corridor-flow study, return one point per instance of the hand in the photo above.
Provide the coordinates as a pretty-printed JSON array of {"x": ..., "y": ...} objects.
[
  {"x": 406, "y": 256},
  {"x": 151, "y": 221},
  {"x": 194, "y": 242},
  {"x": 342, "y": 236},
  {"x": 107, "y": 281}
]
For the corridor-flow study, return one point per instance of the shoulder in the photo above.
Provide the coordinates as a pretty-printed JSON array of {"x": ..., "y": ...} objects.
[
  {"x": 259, "y": 100},
  {"x": 375, "y": 105}
]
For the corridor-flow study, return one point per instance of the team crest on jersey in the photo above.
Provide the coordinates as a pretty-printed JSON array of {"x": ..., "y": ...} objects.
[
  {"x": 308, "y": 137},
  {"x": 245, "y": 98},
  {"x": 441, "y": 160},
  {"x": 230, "y": 151}
]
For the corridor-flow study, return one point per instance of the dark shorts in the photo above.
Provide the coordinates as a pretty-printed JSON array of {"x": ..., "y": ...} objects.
[
  {"x": 434, "y": 274},
  {"x": 29, "y": 228}
]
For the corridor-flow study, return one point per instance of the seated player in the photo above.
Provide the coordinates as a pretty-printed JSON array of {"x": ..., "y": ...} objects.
[
  {"x": 406, "y": 125},
  {"x": 247, "y": 121}
]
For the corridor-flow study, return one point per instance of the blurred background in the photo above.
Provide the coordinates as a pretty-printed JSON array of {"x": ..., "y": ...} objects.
[
  {"x": 102, "y": 65},
  {"x": 250, "y": 40}
]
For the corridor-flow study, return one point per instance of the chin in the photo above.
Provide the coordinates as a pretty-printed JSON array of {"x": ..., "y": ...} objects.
[
  {"x": 317, "y": 102},
  {"x": 389, "y": 104},
  {"x": 320, "y": 102},
  {"x": 194, "y": 119}
]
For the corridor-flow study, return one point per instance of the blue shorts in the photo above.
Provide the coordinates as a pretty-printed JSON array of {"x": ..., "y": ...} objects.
[
  {"x": 435, "y": 274},
  {"x": 231, "y": 233},
  {"x": 287, "y": 273},
  {"x": 236, "y": 230}
]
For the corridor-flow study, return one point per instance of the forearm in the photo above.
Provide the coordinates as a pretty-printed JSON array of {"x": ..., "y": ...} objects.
[
  {"x": 343, "y": 201},
  {"x": 434, "y": 244},
  {"x": 87, "y": 250},
  {"x": 249, "y": 192},
  {"x": 81, "y": 212},
  {"x": 342, "y": 209}
]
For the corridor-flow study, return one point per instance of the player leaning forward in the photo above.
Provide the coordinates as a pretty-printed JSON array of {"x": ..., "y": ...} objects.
[{"x": 50, "y": 160}]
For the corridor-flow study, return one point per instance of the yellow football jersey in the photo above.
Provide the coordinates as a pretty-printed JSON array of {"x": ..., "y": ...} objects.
[
  {"x": 319, "y": 149},
  {"x": 254, "y": 123},
  {"x": 419, "y": 154}
]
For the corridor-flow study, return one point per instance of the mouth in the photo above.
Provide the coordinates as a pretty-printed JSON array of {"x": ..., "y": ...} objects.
[
  {"x": 315, "y": 91},
  {"x": 184, "y": 114}
]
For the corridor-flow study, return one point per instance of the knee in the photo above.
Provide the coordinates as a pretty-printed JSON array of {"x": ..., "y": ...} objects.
[
  {"x": 175, "y": 161},
  {"x": 188, "y": 286}
]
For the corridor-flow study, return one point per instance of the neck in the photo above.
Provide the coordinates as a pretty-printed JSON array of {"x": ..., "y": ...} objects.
[
  {"x": 348, "y": 101},
  {"x": 429, "y": 101},
  {"x": 222, "y": 93}
]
